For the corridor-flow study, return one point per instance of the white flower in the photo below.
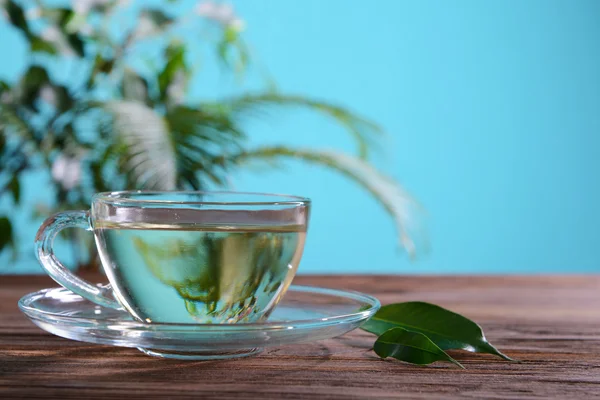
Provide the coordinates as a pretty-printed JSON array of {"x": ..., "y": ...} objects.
[
  {"x": 123, "y": 3},
  {"x": 33, "y": 13},
  {"x": 206, "y": 8},
  {"x": 237, "y": 24},
  {"x": 218, "y": 12},
  {"x": 53, "y": 35},
  {"x": 86, "y": 29},
  {"x": 145, "y": 27},
  {"x": 81, "y": 6},
  {"x": 67, "y": 171},
  {"x": 48, "y": 94},
  {"x": 222, "y": 13}
]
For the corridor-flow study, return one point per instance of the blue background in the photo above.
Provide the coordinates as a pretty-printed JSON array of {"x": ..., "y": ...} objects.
[{"x": 492, "y": 110}]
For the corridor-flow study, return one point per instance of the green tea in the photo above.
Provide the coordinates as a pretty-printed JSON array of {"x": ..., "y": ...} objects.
[{"x": 214, "y": 274}]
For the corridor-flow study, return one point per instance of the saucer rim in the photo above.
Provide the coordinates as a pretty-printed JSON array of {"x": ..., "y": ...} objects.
[{"x": 372, "y": 302}]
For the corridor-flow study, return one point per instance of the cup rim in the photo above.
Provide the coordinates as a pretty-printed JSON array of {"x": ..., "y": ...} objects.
[{"x": 129, "y": 197}]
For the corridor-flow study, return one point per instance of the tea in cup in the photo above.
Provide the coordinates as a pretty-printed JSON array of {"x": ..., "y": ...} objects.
[{"x": 186, "y": 257}]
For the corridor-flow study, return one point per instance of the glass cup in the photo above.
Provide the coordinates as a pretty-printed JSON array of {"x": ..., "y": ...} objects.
[{"x": 186, "y": 257}]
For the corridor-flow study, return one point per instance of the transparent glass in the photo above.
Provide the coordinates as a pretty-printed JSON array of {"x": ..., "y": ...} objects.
[
  {"x": 186, "y": 257},
  {"x": 305, "y": 314}
]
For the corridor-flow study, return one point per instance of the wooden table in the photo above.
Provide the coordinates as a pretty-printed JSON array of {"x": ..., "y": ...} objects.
[{"x": 551, "y": 324}]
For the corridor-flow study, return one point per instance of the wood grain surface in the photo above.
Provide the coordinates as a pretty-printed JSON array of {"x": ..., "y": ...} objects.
[{"x": 551, "y": 324}]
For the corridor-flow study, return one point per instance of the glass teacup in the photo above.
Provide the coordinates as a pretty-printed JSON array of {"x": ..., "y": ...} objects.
[{"x": 185, "y": 257}]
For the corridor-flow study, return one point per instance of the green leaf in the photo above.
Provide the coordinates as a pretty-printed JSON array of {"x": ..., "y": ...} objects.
[
  {"x": 101, "y": 65},
  {"x": 158, "y": 17},
  {"x": 31, "y": 83},
  {"x": 206, "y": 123},
  {"x": 231, "y": 50},
  {"x": 180, "y": 150},
  {"x": 151, "y": 22},
  {"x": 394, "y": 199},
  {"x": 5, "y": 88},
  {"x": 16, "y": 16},
  {"x": 412, "y": 347},
  {"x": 361, "y": 129},
  {"x": 39, "y": 45},
  {"x": 105, "y": 7},
  {"x": 199, "y": 136},
  {"x": 35, "y": 77},
  {"x": 445, "y": 328},
  {"x": 63, "y": 18},
  {"x": 97, "y": 177},
  {"x": 63, "y": 97},
  {"x": 76, "y": 43},
  {"x": 6, "y": 236},
  {"x": 15, "y": 188},
  {"x": 174, "y": 75},
  {"x": 58, "y": 16}
]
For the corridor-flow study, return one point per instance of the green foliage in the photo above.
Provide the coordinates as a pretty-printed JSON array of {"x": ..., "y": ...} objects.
[
  {"x": 6, "y": 234},
  {"x": 175, "y": 72},
  {"x": 39, "y": 45},
  {"x": 158, "y": 17},
  {"x": 393, "y": 199},
  {"x": 31, "y": 84},
  {"x": 16, "y": 16},
  {"x": 232, "y": 52},
  {"x": 364, "y": 131},
  {"x": 106, "y": 124},
  {"x": 15, "y": 188},
  {"x": 412, "y": 347},
  {"x": 144, "y": 146},
  {"x": 445, "y": 329}
]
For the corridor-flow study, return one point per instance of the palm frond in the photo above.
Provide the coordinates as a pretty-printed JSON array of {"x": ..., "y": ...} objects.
[
  {"x": 362, "y": 130},
  {"x": 199, "y": 136},
  {"x": 150, "y": 152},
  {"x": 394, "y": 199},
  {"x": 175, "y": 151}
]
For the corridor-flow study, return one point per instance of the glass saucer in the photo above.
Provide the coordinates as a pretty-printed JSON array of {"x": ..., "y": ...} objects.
[{"x": 305, "y": 314}]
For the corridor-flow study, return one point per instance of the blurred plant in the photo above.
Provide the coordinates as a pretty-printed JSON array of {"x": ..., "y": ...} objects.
[{"x": 118, "y": 123}]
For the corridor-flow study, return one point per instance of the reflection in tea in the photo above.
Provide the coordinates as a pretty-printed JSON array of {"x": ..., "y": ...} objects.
[{"x": 213, "y": 274}]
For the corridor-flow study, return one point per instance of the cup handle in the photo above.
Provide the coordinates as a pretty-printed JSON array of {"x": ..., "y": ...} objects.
[{"x": 44, "y": 239}]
